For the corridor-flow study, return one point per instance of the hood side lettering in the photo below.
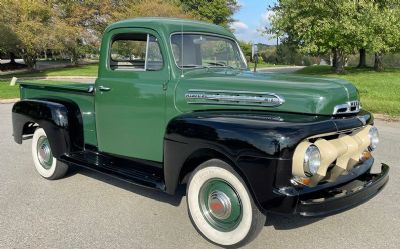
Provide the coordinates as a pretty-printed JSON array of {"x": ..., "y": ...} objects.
[{"x": 223, "y": 97}]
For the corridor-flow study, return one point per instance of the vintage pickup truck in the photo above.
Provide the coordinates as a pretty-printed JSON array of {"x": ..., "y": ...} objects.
[{"x": 175, "y": 103}]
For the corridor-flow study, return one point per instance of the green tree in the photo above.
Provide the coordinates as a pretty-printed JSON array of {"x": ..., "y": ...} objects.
[
  {"x": 8, "y": 39},
  {"x": 26, "y": 26},
  {"x": 216, "y": 11},
  {"x": 383, "y": 28},
  {"x": 158, "y": 8},
  {"x": 80, "y": 24},
  {"x": 379, "y": 29},
  {"x": 246, "y": 48},
  {"x": 317, "y": 27},
  {"x": 341, "y": 26},
  {"x": 72, "y": 27}
]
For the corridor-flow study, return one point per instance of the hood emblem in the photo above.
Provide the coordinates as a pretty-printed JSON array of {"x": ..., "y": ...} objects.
[{"x": 224, "y": 97}]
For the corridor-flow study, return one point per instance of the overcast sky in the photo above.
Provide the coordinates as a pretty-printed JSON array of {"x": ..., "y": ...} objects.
[{"x": 252, "y": 16}]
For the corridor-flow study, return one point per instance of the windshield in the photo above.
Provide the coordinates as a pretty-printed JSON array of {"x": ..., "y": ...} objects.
[{"x": 199, "y": 50}]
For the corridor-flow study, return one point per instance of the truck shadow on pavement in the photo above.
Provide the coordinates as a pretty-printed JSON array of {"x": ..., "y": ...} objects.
[
  {"x": 279, "y": 222},
  {"x": 283, "y": 222}
]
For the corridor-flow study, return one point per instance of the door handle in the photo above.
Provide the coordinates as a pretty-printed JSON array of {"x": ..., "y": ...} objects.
[{"x": 104, "y": 89}]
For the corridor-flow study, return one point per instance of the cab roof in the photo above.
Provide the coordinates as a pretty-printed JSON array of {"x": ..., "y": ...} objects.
[{"x": 170, "y": 25}]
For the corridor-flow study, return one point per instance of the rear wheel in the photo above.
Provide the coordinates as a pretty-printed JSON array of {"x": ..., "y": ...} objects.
[
  {"x": 221, "y": 207},
  {"x": 45, "y": 163}
]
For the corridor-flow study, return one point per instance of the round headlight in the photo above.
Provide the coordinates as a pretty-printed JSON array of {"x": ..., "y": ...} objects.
[
  {"x": 312, "y": 160},
  {"x": 373, "y": 137}
]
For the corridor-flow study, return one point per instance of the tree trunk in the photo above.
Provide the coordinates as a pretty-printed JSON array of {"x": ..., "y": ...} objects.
[
  {"x": 12, "y": 58},
  {"x": 30, "y": 61},
  {"x": 378, "y": 65},
  {"x": 335, "y": 58},
  {"x": 340, "y": 61},
  {"x": 363, "y": 58}
]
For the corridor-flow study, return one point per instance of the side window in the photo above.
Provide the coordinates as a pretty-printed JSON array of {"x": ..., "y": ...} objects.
[{"x": 135, "y": 51}]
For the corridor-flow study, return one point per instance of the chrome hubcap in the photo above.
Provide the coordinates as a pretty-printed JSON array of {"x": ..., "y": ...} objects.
[
  {"x": 219, "y": 205},
  {"x": 44, "y": 152}
]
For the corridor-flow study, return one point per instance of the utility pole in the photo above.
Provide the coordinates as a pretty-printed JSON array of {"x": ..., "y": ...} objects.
[{"x": 254, "y": 55}]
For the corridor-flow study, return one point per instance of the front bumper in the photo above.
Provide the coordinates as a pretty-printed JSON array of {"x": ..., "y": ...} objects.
[{"x": 348, "y": 191}]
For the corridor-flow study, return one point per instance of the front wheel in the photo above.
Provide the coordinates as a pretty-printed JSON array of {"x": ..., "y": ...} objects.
[
  {"x": 45, "y": 163},
  {"x": 220, "y": 205}
]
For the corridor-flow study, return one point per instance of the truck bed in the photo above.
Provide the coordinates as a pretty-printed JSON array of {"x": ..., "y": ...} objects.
[{"x": 81, "y": 93}]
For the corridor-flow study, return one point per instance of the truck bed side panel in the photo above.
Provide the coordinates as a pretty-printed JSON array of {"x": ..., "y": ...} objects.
[{"x": 78, "y": 93}]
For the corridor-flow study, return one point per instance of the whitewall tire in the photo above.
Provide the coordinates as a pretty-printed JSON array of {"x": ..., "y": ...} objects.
[
  {"x": 221, "y": 207},
  {"x": 45, "y": 163}
]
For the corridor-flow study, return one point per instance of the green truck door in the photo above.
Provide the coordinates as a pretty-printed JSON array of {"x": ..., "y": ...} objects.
[{"x": 130, "y": 100}]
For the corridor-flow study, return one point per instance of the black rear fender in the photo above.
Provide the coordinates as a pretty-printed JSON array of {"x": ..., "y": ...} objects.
[{"x": 61, "y": 120}]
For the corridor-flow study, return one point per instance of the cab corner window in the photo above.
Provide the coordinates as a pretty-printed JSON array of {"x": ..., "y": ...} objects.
[{"x": 135, "y": 51}]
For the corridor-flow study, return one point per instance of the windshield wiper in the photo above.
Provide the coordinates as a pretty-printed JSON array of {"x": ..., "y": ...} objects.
[
  {"x": 212, "y": 65},
  {"x": 192, "y": 66},
  {"x": 223, "y": 65}
]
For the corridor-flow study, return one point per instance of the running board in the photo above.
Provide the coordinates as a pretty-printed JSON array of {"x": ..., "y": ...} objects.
[{"x": 126, "y": 170}]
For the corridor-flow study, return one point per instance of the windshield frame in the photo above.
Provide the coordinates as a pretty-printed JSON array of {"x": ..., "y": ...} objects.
[{"x": 208, "y": 34}]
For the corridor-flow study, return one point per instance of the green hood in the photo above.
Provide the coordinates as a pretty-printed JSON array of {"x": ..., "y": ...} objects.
[{"x": 204, "y": 89}]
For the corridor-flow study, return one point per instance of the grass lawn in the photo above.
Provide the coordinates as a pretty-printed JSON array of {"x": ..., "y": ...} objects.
[
  {"x": 8, "y": 92},
  {"x": 84, "y": 70},
  {"x": 379, "y": 91},
  {"x": 12, "y": 92},
  {"x": 264, "y": 65}
]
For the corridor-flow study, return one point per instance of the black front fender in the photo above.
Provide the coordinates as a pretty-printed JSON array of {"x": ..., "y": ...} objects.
[
  {"x": 61, "y": 121},
  {"x": 259, "y": 145}
]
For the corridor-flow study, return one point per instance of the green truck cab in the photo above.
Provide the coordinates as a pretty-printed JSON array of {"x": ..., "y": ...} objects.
[{"x": 175, "y": 104}]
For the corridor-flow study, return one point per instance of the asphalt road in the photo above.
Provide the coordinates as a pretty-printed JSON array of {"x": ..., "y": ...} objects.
[{"x": 87, "y": 210}]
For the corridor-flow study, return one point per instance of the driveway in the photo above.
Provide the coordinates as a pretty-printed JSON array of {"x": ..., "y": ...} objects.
[{"x": 88, "y": 210}]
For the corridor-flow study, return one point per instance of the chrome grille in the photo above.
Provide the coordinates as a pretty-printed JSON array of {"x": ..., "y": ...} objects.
[{"x": 348, "y": 107}]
